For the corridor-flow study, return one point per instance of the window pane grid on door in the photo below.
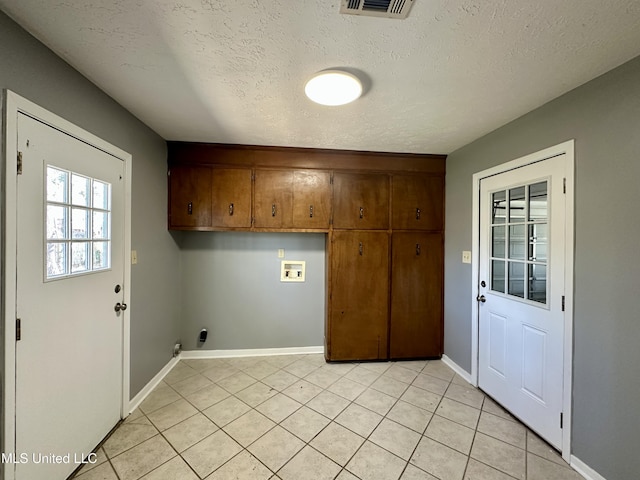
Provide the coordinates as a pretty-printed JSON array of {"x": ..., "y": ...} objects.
[
  {"x": 77, "y": 224},
  {"x": 519, "y": 231}
]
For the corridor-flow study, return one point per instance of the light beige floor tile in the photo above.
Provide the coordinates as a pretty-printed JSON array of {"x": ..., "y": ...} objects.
[
  {"x": 99, "y": 459},
  {"x": 309, "y": 464},
  {"x": 346, "y": 475},
  {"x": 103, "y": 471},
  {"x": 255, "y": 394},
  {"x": 431, "y": 384},
  {"x": 421, "y": 398},
  {"x": 280, "y": 380},
  {"x": 300, "y": 368},
  {"x": 226, "y": 411},
  {"x": 451, "y": 434},
  {"x": 174, "y": 469},
  {"x": 347, "y": 388},
  {"x": 439, "y": 460},
  {"x": 207, "y": 396},
  {"x": 302, "y": 391},
  {"x": 480, "y": 471},
  {"x": 400, "y": 373},
  {"x": 409, "y": 415},
  {"x": 328, "y": 404},
  {"x": 236, "y": 382},
  {"x": 260, "y": 370},
  {"x": 189, "y": 432},
  {"x": 249, "y": 427},
  {"x": 362, "y": 375},
  {"x": 219, "y": 372},
  {"x": 191, "y": 384},
  {"x": 202, "y": 364},
  {"x": 172, "y": 414},
  {"x": 340, "y": 369},
  {"x": 276, "y": 447},
  {"x": 376, "y": 401},
  {"x": 337, "y": 443},
  {"x": 395, "y": 438},
  {"x": 278, "y": 407},
  {"x": 416, "y": 365},
  {"x": 377, "y": 367},
  {"x": 437, "y": 368},
  {"x": 414, "y": 473},
  {"x": 458, "y": 412},
  {"x": 458, "y": 380},
  {"x": 305, "y": 423},
  {"x": 161, "y": 396},
  {"x": 243, "y": 466},
  {"x": 499, "y": 455},
  {"x": 212, "y": 452},
  {"x": 492, "y": 407},
  {"x": 126, "y": 436},
  {"x": 373, "y": 463},
  {"x": 540, "y": 469},
  {"x": 143, "y": 458},
  {"x": 389, "y": 386},
  {"x": 315, "y": 358},
  {"x": 322, "y": 377},
  {"x": 135, "y": 416},
  {"x": 542, "y": 449},
  {"x": 281, "y": 361},
  {"x": 178, "y": 373},
  {"x": 506, "y": 430},
  {"x": 244, "y": 362},
  {"x": 359, "y": 420},
  {"x": 468, "y": 395}
]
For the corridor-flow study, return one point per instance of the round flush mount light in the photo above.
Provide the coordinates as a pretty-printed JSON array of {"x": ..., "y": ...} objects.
[{"x": 333, "y": 87}]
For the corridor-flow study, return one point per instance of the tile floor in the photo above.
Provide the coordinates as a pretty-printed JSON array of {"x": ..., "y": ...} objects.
[{"x": 296, "y": 417}]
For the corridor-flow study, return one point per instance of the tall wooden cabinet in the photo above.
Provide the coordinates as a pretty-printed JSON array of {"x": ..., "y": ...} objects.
[{"x": 361, "y": 201}]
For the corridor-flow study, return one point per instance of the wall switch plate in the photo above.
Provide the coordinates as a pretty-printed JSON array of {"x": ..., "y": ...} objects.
[
  {"x": 466, "y": 257},
  {"x": 281, "y": 253},
  {"x": 134, "y": 257}
]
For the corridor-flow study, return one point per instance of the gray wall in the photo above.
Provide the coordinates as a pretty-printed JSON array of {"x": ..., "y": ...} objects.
[
  {"x": 31, "y": 70},
  {"x": 231, "y": 286},
  {"x": 603, "y": 116}
]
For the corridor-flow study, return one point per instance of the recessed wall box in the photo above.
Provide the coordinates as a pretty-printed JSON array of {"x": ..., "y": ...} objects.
[{"x": 292, "y": 271}]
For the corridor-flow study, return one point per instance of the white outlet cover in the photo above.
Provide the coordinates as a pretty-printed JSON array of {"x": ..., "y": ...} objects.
[
  {"x": 292, "y": 270},
  {"x": 466, "y": 256}
]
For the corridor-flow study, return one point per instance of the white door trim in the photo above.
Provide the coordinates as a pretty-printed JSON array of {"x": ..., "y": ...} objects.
[
  {"x": 568, "y": 149},
  {"x": 13, "y": 104}
]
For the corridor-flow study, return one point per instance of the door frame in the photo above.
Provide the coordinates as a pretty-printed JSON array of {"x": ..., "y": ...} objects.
[
  {"x": 567, "y": 148},
  {"x": 14, "y": 104}
]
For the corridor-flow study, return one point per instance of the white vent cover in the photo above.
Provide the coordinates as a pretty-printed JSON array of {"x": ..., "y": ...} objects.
[{"x": 377, "y": 8}]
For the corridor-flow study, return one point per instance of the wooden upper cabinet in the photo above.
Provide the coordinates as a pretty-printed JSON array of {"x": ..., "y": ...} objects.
[
  {"x": 273, "y": 198},
  {"x": 361, "y": 201},
  {"x": 231, "y": 194},
  {"x": 189, "y": 197},
  {"x": 311, "y": 199},
  {"x": 417, "y": 202}
]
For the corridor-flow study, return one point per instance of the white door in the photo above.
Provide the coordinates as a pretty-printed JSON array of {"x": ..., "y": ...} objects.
[
  {"x": 521, "y": 288},
  {"x": 70, "y": 275}
]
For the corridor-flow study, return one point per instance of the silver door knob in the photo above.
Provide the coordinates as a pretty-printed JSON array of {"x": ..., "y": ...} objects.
[
  {"x": 120, "y": 306},
  {"x": 481, "y": 298}
]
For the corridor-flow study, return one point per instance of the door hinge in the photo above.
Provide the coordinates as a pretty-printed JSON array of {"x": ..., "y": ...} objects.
[
  {"x": 19, "y": 163},
  {"x": 18, "y": 329},
  {"x": 561, "y": 419},
  {"x": 564, "y": 185},
  {"x": 563, "y": 303}
]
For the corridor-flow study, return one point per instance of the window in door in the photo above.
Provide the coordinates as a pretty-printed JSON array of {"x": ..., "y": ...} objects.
[{"x": 77, "y": 224}]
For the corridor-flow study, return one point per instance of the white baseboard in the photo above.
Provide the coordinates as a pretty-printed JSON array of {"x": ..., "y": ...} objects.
[
  {"x": 585, "y": 470},
  {"x": 255, "y": 352},
  {"x": 458, "y": 369},
  {"x": 153, "y": 383}
]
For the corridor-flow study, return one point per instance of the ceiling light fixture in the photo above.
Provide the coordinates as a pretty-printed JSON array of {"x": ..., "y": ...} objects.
[{"x": 333, "y": 87}]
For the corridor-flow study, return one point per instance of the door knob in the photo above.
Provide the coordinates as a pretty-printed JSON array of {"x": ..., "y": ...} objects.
[
  {"x": 481, "y": 298},
  {"x": 120, "y": 306}
]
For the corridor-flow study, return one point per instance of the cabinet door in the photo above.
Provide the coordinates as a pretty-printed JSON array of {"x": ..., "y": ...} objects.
[
  {"x": 231, "y": 192},
  {"x": 311, "y": 199},
  {"x": 416, "y": 295},
  {"x": 189, "y": 197},
  {"x": 417, "y": 202},
  {"x": 273, "y": 200},
  {"x": 359, "y": 295},
  {"x": 361, "y": 201}
]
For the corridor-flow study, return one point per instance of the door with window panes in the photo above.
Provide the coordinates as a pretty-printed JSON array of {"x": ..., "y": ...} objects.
[{"x": 521, "y": 287}]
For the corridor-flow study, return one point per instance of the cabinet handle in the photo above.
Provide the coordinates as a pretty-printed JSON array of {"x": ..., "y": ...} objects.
[
  {"x": 417, "y": 214},
  {"x": 361, "y": 212},
  {"x": 417, "y": 249},
  {"x": 310, "y": 211},
  {"x": 231, "y": 209},
  {"x": 190, "y": 208},
  {"x": 361, "y": 249},
  {"x": 273, "y": 209}
]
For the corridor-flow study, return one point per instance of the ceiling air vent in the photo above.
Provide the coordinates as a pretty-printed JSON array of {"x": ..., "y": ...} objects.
[{"x": 377, "y": 8}]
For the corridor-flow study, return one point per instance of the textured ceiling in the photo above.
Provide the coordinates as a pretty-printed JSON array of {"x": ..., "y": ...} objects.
[{"x": 233, "y": 71}]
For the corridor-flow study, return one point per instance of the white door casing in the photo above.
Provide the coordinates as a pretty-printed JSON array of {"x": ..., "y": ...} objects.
[
  {"x": 523, "y": 346},
  {"x": 77, "y": 387}
]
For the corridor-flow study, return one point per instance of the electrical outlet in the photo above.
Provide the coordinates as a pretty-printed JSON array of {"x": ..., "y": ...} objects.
[
  {"x": 134, "y": 257},
  {"x": 466, "y": 257}
]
